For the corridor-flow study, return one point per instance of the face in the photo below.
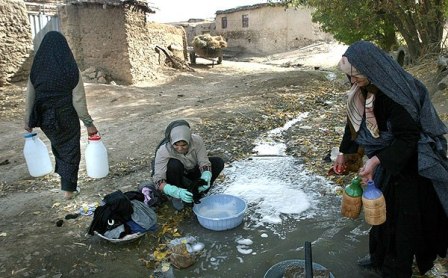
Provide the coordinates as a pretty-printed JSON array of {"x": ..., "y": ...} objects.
[
  {"x": 181, "y": 147},
  {"x": 361, "y": 80}
]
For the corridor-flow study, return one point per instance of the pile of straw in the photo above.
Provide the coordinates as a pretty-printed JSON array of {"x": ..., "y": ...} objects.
[{"x": 208, "y": 41}]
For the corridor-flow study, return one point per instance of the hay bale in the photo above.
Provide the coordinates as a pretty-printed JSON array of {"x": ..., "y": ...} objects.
[{"x": 209, "y": 41}]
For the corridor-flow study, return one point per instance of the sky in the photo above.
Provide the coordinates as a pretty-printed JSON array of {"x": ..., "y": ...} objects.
[{"x": 182, "y": 10}]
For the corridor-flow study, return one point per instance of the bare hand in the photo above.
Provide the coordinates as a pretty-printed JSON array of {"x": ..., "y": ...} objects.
[
  {"x": 91, "y": 130},
  {"x": 339, "y": 166},
  {"x": 368, "y": 170},
  {"x": 29, "y": 129}
]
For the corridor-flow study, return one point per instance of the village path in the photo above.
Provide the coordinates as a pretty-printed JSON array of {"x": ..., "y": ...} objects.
[{"x": 228, "y": 104}]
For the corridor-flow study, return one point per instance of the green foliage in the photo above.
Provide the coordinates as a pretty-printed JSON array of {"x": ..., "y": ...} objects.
[{"x": 350, "y": 20}]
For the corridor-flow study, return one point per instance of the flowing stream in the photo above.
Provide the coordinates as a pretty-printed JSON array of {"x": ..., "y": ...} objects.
[{"x": 287, "y": 205}]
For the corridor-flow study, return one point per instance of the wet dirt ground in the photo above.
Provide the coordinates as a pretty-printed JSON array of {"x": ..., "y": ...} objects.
[{"x": 229, "y": 105}]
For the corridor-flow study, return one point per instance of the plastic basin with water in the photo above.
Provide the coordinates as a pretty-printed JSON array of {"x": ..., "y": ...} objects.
[
  {"x": 220, "y": 212},
  {"x": 278, "y": 270}
]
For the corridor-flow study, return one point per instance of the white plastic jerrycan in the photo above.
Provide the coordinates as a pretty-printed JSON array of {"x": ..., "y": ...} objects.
[
  {"x": 36, "y": 156},
  {"x": 97, "y": 163}
]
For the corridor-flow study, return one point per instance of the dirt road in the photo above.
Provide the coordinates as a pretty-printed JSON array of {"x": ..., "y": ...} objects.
[{"x": 229, "y": 105}]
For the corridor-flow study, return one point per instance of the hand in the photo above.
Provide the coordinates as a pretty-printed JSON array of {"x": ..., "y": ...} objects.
[
  {"x": 207, "y": 177},
  {"x": 339, "y": 166},
  {"x": 366, "y": 172},
  {"x": 29, "y": 129},
  {"x": 178, "y": 193},
  {"x": 186, "y": 195},
  {"x": 91, "y": 130},
  {"x": 203, "y": 188}
]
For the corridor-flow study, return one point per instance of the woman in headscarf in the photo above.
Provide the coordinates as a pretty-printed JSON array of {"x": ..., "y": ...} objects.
[
  {"x": 56, "y": 102},
  {"x": 180, "y": 159},
  {"x": 390, "y": 116}
]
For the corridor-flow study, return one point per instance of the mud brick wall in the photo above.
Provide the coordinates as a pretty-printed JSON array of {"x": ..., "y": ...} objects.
[
  {"x": 15, "y": 42},
  {"x": 97, "y": 37},
  {"x": 117, "y": 39},
  {"x": 142, "y": 38}
]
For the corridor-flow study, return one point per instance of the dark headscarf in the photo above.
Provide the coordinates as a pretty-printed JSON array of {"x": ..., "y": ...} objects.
[
  {"x": 54, "y": 68},
  {"x": 385, "y": 73}
]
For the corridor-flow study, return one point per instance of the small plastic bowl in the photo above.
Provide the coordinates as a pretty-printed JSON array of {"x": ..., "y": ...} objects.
[{"x": 220, "y": 212}]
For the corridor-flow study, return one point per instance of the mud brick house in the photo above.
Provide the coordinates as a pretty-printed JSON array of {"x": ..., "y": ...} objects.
[{"x": 268, "y": 28}]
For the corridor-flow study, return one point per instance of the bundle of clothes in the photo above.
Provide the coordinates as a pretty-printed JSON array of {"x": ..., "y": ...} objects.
[{"x": 122, "y": 214}]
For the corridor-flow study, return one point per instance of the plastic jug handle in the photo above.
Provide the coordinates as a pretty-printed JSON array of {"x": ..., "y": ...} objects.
[{"x": 96, "y": 136}]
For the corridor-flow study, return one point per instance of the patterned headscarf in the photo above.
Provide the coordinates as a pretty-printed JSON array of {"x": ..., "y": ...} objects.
[
  {"x": 54, "y": 68},
  {"x": 357, "y": 104}
]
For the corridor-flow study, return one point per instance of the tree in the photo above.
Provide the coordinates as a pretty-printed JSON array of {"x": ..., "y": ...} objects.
[{"x": 419, "y": 22}]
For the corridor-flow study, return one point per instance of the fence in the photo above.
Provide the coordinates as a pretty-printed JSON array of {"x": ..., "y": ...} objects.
[{"x": 43, "y": 18}]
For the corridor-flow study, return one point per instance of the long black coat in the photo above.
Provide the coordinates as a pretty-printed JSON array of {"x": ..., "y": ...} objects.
[{"x": 416, "y": 223}]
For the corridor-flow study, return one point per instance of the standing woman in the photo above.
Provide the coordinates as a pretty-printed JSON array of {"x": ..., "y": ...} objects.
[
  {"x": 390, "y": 116},
  {"x": 56, "y": 102}
]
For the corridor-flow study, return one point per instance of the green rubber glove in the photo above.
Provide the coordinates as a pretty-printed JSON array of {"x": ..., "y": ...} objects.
[
  {"x": 206, "y": 176},
  {"x": 179, "y": 193}
]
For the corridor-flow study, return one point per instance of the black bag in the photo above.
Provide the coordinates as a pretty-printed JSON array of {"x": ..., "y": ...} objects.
[{"x": 117, "y": 210}]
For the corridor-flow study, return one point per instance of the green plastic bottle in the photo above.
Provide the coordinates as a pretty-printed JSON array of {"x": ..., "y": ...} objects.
[
  {"x": 354, "y": 189},
  {"x": 352, "y": 199}
]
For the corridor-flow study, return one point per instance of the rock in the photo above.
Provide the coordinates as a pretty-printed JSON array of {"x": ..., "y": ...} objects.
[
  {"x": 89, "y": 70},
  {"x": 102, "y": 80},
  {"x": 443, "y": 84}
]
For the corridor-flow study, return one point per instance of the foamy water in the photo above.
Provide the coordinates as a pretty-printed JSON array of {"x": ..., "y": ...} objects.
[{"x": 274, "y": 185}]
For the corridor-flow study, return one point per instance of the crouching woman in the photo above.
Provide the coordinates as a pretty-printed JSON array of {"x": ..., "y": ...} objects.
[{"x": 180, "y": 161}]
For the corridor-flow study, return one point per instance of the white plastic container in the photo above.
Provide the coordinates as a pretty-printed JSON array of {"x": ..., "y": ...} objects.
[
  {"x": 36, "y": 156},
  {"x": 97, "y": 163}
]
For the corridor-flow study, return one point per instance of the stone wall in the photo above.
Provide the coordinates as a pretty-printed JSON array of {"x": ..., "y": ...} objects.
[
  {"x": 117, "y": 40},
  {"x": 15, "y": 42}
]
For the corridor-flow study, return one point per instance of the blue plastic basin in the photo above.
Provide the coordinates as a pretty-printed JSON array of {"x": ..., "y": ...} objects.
[{"x": 220, "y": 212}]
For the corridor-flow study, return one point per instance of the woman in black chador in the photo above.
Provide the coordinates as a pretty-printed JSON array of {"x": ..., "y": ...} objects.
[
  {"x": 390, "y": 116},
  {"x": 56, "y": 102}
]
